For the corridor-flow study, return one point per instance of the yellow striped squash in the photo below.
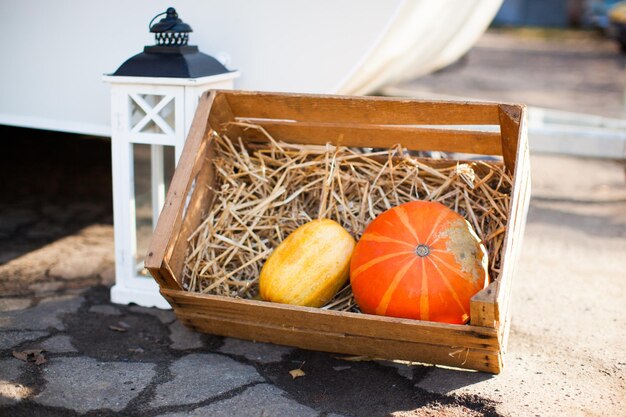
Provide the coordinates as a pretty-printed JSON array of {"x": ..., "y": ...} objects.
[{"x": 309, "y": 266}]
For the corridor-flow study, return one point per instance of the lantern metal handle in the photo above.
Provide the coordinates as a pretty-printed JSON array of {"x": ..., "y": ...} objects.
[{"x": 154, "y": 18}]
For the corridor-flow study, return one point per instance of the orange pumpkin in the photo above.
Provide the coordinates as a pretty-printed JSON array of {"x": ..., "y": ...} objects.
[{"x": 419, "y": 260}]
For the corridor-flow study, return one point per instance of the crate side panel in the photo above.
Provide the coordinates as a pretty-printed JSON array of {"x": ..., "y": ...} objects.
[
  {"x": 329, "y": 341},
  {"x": 520, "y": 195},
  {"x": 169, "y": 223},
  {"x": 334, "y": 321},
  {"x": 199, "y": 203},
  {"x": 222, "y": 115},
  {"x": 505, "y": 287}
]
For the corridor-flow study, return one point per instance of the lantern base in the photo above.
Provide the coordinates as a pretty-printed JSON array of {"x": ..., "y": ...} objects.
[{"x": 144, "y": 298}]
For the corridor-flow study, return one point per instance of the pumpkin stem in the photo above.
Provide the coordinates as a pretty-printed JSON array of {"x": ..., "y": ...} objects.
[{"x": 422, "y": 250}]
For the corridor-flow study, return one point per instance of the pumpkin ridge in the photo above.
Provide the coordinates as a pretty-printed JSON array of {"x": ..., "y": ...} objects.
[
  {"x": 446, "y": 282},
  {"x": 375, "y": 237},
  {"x": 442, "y": 215},
  {"x": 383, "y": 305},
  {"x": 377, "y": 260},
  {"x": 435, "y": 250},
  {"x": 436, "y": 240},
  {"x": 404, "y": 218},
  {"x": 424, "y": 302}
]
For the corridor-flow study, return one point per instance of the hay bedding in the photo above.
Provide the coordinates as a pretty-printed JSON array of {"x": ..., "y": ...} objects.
[{"x": 261, "y": 194}]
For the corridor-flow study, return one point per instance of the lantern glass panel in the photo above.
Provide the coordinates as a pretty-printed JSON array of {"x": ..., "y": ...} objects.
[{"x": 153, "y": 168}]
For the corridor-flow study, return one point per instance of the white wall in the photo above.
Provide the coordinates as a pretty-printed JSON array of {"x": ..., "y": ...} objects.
[{"x": 54, "y": 52}]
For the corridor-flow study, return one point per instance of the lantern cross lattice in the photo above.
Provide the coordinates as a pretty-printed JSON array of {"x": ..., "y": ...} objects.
[{"x": 152, "y": 113}]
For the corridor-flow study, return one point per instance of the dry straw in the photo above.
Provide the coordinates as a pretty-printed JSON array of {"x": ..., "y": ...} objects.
[{"x": 263, "y": 193}]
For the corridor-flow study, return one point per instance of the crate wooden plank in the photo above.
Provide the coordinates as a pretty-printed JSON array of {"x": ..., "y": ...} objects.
[
  {"x": 331, "y": 341},
  {"x": 168, "y": 225},
  {"x": 505, "y": 287},
  {"x": 327, "y": 320},
  {"x": 369, "y": 110},
  {"x": 414, "y": 138},
  {"x": 510, "y": 119},
  {"x": 520, "y": 195},
  {"x": 197, "y": 207}
]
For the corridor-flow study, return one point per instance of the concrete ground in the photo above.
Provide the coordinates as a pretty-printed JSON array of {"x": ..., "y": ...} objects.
[
  {"x": 575, "y": 71},
  {"x": 65, "y": 350}
]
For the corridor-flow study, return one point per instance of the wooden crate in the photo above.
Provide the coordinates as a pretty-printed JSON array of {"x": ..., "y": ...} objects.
[{"x": 351, "y": 121}]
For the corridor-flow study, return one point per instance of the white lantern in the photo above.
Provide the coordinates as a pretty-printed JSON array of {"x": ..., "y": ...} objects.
[{"x": 153, "y": 100}]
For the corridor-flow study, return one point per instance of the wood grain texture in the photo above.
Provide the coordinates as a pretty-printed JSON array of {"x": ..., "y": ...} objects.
[
  {"x": 510, "y": 119},
  {"x": 388, "y": 328},
  {"x": 360, "y": 110},
  {"x": 413, "y": 138},
  {"x": 484, "y": 307},
  {"x": 329, "y": 341},
  {"x": 520, "y": 195},
  {"x": 168, "y": 225},
  {"x": 505, "y": 287},
  {"x": 339, "y": 332},
  {"x": 198, "y": 205}
]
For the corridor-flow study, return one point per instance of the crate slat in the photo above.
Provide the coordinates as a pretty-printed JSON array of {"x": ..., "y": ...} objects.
[
  {"x": 413, "y": 138},
  {"x": 360, "y": 110}
]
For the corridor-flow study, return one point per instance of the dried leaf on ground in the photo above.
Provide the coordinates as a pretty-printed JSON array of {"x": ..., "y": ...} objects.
[
  {"x": 118, "y": 328},
  {"x": 31, "y": 355},
  {"x": 360, "y": 358},
  {"x": 297, "y": 373}
]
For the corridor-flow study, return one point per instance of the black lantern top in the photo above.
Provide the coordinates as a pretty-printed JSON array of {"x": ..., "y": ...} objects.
[
  {"x": 171, "y": 56},
  {"x": 170, "y": 30}
]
